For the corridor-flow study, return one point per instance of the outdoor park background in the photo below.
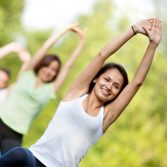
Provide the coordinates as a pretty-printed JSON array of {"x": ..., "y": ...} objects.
[{"x": 139, "y": 136}]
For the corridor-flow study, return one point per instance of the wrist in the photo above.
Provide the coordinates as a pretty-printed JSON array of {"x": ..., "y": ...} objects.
[
  {"x": 153, "y": 44},
  {"x": 133, "y": 29}
]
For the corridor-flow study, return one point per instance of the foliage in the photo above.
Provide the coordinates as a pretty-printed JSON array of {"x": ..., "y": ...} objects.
[
  {"x": 138, "y": 138},
  {"x": 10, "y": 14},
  {"x": 10, "y": 25}
]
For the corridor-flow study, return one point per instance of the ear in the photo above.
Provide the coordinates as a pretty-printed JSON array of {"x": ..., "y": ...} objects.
[{"x": 94, "y": 81}]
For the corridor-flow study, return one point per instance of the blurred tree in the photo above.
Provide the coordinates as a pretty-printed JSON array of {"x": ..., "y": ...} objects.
[
  {"x": 139, "y": 137},
  {"x": 10, "y": 24},
  {"x": 160, "y": 12},
  {"x": 10, "y": 15}
]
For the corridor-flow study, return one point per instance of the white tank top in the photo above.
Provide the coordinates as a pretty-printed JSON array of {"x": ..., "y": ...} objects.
[{"x": 69, "y": 135}]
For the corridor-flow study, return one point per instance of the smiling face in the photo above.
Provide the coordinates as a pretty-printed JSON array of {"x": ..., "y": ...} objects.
[
  {"x": 4, "y": 78},
  {"x": 108, "y": 85},
  {"x": 46, "y": 74}
]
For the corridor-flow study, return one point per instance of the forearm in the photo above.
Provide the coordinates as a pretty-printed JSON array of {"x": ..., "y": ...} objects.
[
  {"x": 49, "y": 43},
  {"x": 45, "y": 47},
  {"x": 67, "y": 66},
  {"x": 5, "y": 50},
  {"x": 15, "y": 47},
  {"x": 99, "y": 60},
  {"x": 52, "y": 40},
  {"x": 145, "y": 65},
  {"x": 115, "y": 45}
]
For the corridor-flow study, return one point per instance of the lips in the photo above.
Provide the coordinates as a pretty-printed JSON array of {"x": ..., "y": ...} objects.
[
  {"x": 105, "y": 92},
  {"x": 46, "y": 76}
]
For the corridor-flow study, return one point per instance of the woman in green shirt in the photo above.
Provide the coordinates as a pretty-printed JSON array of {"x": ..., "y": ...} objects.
[{"x": 34, "y": 88}]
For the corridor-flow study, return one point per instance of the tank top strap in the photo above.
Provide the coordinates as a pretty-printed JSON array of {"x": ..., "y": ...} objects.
[
  {"x": 83, "y": 97},
  {"x": 101, "y": 111}
]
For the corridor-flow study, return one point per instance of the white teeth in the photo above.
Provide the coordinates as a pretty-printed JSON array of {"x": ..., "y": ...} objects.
[{"x": 105, "y": 92}]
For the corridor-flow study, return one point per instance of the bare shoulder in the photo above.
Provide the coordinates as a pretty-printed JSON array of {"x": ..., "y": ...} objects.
[{"x": 73, "y": 94}]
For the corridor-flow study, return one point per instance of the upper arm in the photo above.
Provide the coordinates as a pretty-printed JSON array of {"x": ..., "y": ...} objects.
[
  {"x": 115, "y": 108},
  {"x": 82, "y": 83},
  {"x": 67, "y": 66}
]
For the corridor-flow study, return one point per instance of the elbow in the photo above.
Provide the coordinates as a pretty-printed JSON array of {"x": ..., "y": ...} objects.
[
  {"x": 101, "y": 55},
  {"x": 81, "y": 43},
  {"x": 82, "y": 39},
  {"x": 137, "y": 83},
  {"x": 104, "y": 53}
]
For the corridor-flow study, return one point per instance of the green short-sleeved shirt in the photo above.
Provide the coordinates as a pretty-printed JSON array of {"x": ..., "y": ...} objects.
[{"x": 25, "y": 102}]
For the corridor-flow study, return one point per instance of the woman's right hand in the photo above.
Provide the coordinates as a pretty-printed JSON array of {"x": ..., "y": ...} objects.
[
  {"x": 155, "y": 33},
  {"x": 140, "y": 26}
]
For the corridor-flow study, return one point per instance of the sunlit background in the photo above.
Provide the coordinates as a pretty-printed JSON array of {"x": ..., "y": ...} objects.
[
  {"x": 139, "y": 136},
  {"x": 53, "y": 13}
]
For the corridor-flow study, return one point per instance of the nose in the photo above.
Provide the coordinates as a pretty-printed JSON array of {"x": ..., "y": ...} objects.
[
  {"x": 50, "y": 71},
  {"x": 109, "y": 87}
]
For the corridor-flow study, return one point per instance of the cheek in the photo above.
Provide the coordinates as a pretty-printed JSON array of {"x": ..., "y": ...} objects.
[
  {"x": 117, "y": 91},
  {"x": 3, "y": 84},
  {"x": 42, "y": 70},
  {"x": 54, "y": 73},
  {"x": 100, "y": 82}
]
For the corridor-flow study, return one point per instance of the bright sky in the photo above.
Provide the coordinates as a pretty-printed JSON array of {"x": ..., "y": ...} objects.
[
  {"x": 59, "y": 13},
  {"x": 54, "y": 13}
]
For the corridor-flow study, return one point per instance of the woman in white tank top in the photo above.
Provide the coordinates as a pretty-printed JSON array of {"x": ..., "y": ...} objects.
[{"x": 93, "y": 103}]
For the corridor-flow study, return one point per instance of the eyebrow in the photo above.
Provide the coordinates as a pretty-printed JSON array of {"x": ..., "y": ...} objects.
[{"x": 114, "y": 81}]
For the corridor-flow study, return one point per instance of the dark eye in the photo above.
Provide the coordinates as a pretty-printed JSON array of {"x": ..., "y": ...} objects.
[
  {"x": 106, "y": 79},
  {"x": 116, "y": 86}
]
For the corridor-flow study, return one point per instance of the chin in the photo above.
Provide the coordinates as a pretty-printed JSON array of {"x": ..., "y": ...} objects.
[
  {"x": 103, "y": 99},
  {"x": 47, "y": 81},
  {"x": 109, "y": 99}
]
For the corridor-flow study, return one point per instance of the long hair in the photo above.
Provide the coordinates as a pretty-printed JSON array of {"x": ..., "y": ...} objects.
[
  {"x": 106, "y": 67},
  {"x": 45, "y": 61}
]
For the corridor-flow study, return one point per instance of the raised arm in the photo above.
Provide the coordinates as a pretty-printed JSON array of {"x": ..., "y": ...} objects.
[
  {"x": 81, "y": 85},
  {"x": 5, "y": 50},
  {"x": 115, "y": 108},
  {"x": 16, "y": 48},
  {"x": 46, "y": 46},
  {"x": 67, "y": 66},
  {"x": 25, "y": 57},
  {"x": 21, "y": 52}
]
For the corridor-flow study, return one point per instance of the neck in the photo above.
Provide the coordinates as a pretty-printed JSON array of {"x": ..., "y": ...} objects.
[
  {"x": 38, "y": 82},
  {"x": 92, "y": 105}
]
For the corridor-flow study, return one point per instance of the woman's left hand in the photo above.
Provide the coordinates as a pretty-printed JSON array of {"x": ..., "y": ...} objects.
[{"x": 155, "y": 33}]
